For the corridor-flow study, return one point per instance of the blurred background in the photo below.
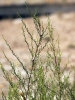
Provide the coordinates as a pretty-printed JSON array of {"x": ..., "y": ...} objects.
[
  {"x": 63, "y": 24},
  {"x": 8, "y": 2}
]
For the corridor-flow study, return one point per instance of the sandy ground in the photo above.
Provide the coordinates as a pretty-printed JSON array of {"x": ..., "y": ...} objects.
[
  {"x": 9, "y": 2},
  {"x": 63, "y": 24}
]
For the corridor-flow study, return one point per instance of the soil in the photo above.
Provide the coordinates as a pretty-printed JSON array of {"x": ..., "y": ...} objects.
[{"x": 10, "y": 29}]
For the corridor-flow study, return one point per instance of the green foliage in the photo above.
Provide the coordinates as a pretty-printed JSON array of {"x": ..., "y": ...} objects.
[
  {"x": 45, "y": 80},
  {"x": 13, "y": 93}
]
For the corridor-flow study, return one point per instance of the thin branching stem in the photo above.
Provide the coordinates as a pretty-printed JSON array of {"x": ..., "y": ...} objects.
[{"x": 16, "y": 56}]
